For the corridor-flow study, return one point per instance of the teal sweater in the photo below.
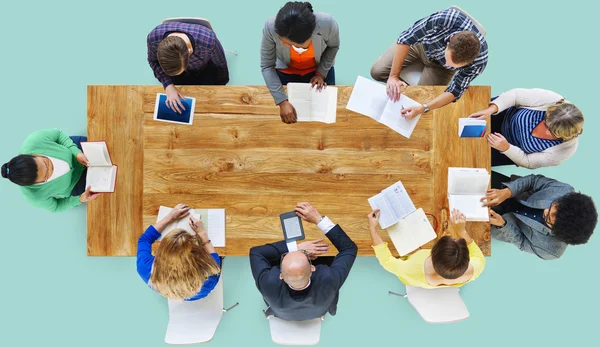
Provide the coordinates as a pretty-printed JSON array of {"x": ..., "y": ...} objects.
[{"x": 54, "y": 196}]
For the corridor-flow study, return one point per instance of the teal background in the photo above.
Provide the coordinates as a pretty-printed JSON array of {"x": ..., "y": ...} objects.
[{"x": 51, "y": 292}]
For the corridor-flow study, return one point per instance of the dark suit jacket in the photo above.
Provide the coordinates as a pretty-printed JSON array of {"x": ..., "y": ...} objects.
[{"x": 326, "y": 281}]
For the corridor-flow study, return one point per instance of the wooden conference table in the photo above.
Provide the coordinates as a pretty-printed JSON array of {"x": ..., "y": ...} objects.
[{"x": 238, "y": 155}]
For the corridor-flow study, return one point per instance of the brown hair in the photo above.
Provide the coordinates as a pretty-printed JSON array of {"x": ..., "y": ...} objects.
[
  {"x": 173, "y": 55},
  {"x": 564, "y": 120},
  {"x": 181, "y": 265},
  {"x": 450, "y": 257},
  {"x": 464, "y": 47}
]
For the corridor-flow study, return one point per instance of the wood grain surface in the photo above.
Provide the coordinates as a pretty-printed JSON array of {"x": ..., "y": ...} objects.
[{"x": 238, "y": 155}]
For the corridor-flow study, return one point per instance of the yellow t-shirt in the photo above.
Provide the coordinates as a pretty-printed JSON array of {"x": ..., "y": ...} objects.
[{"x": 411, "y": 269}]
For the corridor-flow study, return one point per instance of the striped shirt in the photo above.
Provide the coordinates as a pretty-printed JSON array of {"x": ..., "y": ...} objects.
[
  {"x": 517, "y": 126},
  {"x": 434, "y": 33},
  {"x": 207, "y": 48}
]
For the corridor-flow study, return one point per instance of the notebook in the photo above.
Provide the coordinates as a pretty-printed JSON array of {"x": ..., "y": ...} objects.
[
  {"x": 394, "y": 204},
  {"x": 101, "y": 173},
  {"x": 370, "y": 99},
  {"x": 470, "y": 127},
  {"x": 411, "y": 232},
  {"x": 163, "y": 113},
  {"x": 213, "y": 220},
  {"x": 312, "y": 105},
  {"x": 466, "y": 187}
]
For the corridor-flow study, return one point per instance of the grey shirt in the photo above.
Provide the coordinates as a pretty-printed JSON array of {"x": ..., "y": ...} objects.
[{"x": 275, "y": 56}]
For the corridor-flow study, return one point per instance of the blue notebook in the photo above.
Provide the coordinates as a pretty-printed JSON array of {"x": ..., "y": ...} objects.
[
  {"x": 165, "y": 114},
  {"x": 469, "y": 127}
]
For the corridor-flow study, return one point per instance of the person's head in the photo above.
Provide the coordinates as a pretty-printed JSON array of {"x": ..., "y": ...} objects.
[
  {"x": 564, "y": 121},
  {"x": 295, "y": 23},
  {"x": 462, "y": 49},
  {"x": 450, "y": 257},
  {"x": 296, "y": 269},
  {"x": 25, "y": 170},
  {"x": 572, "y": 218},
  {"x": 181, "y": 265},
  {"x": 173, "y": 54}
]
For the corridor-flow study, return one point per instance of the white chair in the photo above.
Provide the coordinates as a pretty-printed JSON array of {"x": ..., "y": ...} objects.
[
  {"x": 440, "y": 305},
  {"x": 198, "y": 21},
  {"x": 412, "y": 74},
  {"x": 195, "y": 321},
  {"x": 295, "y": 333}
]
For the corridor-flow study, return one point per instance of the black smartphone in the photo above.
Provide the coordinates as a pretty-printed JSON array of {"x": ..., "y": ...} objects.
[{"x": 292, "y": 226}]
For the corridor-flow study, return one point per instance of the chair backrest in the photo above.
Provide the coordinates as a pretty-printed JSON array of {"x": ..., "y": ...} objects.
[
  {"x": 296, "y": 333},
  {"x": 440, "y": 305},
  {"x": 195, "y": 321},
  {"x": 188, "y": 20},
  {"x": 477, "y": 24}
]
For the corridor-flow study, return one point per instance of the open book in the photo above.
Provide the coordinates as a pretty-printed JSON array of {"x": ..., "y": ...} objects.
[
  {"x": 370, "y": 98},
  {"x": 466, "y": 187},
  {"x": 470, "y": 127},
  {"x": 411, "y": 232},
  {"x": 213, "y": 220},
  {"x": 394, "y": 204},
  {"x": 101, "y": 173},
  {"x": 312, "y": 105}
]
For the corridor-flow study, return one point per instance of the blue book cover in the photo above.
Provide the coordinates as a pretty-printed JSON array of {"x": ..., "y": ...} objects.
[
  {"x": 163, "y": 113},
  {"x": 473, "y": 131}
]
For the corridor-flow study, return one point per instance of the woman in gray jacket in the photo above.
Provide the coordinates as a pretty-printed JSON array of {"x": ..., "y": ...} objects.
[{"x": 298, "y": 45}]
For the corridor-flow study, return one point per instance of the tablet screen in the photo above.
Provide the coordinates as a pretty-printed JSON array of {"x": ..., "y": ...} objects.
[
  {"x": 164, "y": 113},
  {"x": 292, "y": 227}
]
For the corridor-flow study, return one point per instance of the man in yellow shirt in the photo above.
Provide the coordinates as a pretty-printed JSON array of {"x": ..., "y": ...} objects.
[{"x": 451, "y": 262}]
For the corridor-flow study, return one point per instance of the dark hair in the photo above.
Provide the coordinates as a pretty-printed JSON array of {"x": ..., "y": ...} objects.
[
  {"x": 575, "y": 219},
  {"x": 464, "y": 47},
  {"x": 450, "y": 257},
  {"x": 21, "y": 170},
  {"x": 295, "y": 21},
  {"x": 173, "y": 55}
]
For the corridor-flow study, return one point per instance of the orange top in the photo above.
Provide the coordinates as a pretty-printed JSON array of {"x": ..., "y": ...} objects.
[{"x": 301, "y": 64}]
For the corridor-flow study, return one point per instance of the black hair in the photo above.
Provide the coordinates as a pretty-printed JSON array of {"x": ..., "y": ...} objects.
[
  {"x": 450, "y": 257},
  {"x": 575, "y": 219},
  {"x": 295, "y": 21},
  {"x": 21, "y": 170}
]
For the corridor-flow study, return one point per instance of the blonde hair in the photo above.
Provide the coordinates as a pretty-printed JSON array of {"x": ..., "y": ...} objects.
[
  {"x": 181, "y": 265},
  {"x": 564, "y": 120}
]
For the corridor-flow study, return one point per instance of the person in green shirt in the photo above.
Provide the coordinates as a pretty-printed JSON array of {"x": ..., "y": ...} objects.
[{"x": 51, "y": 170}]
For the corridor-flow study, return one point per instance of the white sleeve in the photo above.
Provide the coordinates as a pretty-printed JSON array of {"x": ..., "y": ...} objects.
[
  {"x": 292, "y": 246},
  {"x": 529, "y": 98},
  {"x": 325, "y": 225}
]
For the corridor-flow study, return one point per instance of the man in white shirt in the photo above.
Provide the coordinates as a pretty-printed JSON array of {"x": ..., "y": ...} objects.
[{"x": 292, "y": 287}]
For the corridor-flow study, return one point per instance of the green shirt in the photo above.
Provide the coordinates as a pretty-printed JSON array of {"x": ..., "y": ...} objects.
[{"x": 54, "y": 196}]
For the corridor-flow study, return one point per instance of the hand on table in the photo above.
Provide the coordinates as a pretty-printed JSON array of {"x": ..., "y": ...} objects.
[
  {"x": 313, "y": 248},
  {"x": 308, "y": 213},
  {"x": 178, "y": 212},
  {"x": 82, "y": 159},
  {"x": 497, "y": 141},
  {"x": 495, "y": 197},
  {"x": 198, "y": 227},
  {"x": 287, "y": 112},
  {"x": 394, "y": 88},
  {"x": 318, "y": 82},
  {"x": 88, "y": 195},
  {"x": 485, "y": 113},
  {"x": 174, "y": 98},
  {"x": 412, "y": 112},
  {"x": 458, "y": 219},
  {"x": 373, "y": 218}
]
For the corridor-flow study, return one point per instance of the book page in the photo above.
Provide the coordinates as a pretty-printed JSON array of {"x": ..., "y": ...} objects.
[
  {"x": 411, "y": 232},
  {"x": 368, "y": 97},
  {"x": 470, "y": 206},
  {"x": 216, "y": 226},
  {"x": 468, "y": 181},
  {"x": 300, "y": 96},
  {"x": 96, "y": 153},
  {"x": 182, "y": 223},
  {"x": 101, "y": 178},
  {"x": 387, "y": 216},
  {"x": 324, "y": 105},
  {"x": 392, "y": 117},
  {"x": 398, "y": 199}
]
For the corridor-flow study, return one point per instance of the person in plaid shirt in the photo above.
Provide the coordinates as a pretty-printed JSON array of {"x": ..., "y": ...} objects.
[
  {"x": 451, "y": 47},
  {"x": 185, "y": 54}
]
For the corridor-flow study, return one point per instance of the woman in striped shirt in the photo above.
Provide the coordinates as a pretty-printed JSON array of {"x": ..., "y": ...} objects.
[{"x": 532, "y": 128}]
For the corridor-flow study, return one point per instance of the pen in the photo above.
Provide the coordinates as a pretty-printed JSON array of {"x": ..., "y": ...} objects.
[{"x": 402, "y": 114}]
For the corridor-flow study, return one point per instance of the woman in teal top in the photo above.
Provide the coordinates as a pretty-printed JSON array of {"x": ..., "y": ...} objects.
[{"x": 51, "y": 171}]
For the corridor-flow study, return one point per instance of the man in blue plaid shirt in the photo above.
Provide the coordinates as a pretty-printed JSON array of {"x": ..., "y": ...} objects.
[
  {"x": 185, "y": 54},
  {"x": 452, "y": 48}
]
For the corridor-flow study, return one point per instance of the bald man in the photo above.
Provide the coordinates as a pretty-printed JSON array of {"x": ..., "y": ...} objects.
[{"x": 294, "y": 288}]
